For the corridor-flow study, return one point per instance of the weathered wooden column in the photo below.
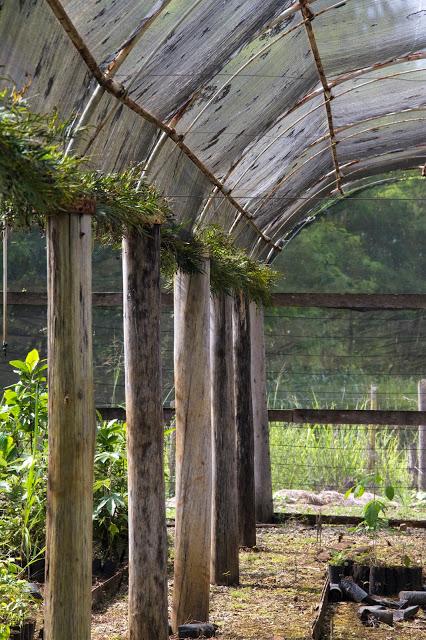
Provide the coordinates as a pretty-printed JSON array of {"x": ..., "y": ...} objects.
[
  {"x": 193, "y": 447},
  {"x": 244, "y": 421},
  {"x": 372, "y": 433},
  {"x": 422, "y": 438},
  {"x": 148, "y": 614},
  {"x": 71, "y": 426},
  {"x": 262, "y": 457},
  {"x": 225, "y": 534}
]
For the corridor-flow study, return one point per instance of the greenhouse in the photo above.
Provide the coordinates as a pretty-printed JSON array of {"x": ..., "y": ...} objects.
[{"x": 213, "y": 403}]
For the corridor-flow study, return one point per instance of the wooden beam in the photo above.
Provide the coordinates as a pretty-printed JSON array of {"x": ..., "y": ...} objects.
[
  {"x": 148, "y": 615},
  {"x": 193, "y": 447},
  {"x": 355, "y": 301},
  {"x": 262, "y": 457},
  {"x": 313, "y": 416},
  {"x": 244, "y": 421},
  {"x": 71, "y": 428},
  {"x": 225, "y": 534},
  {"x": 99, "y": 298},
  {"x": 343, "y": 416}
]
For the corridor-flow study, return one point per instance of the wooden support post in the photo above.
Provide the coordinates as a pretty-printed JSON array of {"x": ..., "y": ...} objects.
[
  {"x": 193, "y": 447},
  {"x": 71, "y": 427},
  {"x": 225, "y": 534},
  {"x": 262, "y": 457},
  {"x": 148, "y": 615},
  {"x": 172, "y": 464},
  {"x": 372, "y": 432},
  {"x": 244, "y": 421},
  {"x": 422, "y": 438}
]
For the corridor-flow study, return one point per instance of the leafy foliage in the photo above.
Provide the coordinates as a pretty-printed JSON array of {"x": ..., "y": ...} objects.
[
  {"x": 17, "y": 605},
  {"x": 23, "y": 470},
  {"x": 375, "y": 509},
  {"x": 110, "y": 488},
  {"x": 38, "y": 179}
]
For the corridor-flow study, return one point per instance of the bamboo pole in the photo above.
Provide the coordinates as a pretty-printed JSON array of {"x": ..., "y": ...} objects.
[
  {"x": 225, "y": 534},
  {"x": 244, "y": 421},
  {"x": 148, "y": 615},
  {"x": 71, "y": 428},
  {"x": 262, "y": 457},
  {"x": 193, "y": 447},
  {"x": 422, "y": 437}
]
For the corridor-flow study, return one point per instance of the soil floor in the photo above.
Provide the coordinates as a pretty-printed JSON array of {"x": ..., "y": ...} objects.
[{"x": 281, "y": 584}]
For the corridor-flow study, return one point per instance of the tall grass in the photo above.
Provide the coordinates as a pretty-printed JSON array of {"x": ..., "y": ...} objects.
[{"x": 316, "y": 457}]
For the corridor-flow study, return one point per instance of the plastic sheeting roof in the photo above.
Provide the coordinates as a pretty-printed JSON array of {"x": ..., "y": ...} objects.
[{"x": 248, "y": 113}]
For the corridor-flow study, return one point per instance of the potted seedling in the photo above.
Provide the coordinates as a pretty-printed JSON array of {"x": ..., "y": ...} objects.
[{"x": 18, "y": 606}]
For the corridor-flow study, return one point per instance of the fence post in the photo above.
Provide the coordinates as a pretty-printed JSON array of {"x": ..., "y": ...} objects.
[
  {"x": 172, "y": 462},
  {"x": 225, "y": 534},
  {"x": 148, "y": 615},
  {"x": 193, "y": 447},
  {"x": 372, "y": 432},
  {"x": 262, "y": 456},
  {"x": 422, "y": 438},
  {"x": 244, "y": 421}
]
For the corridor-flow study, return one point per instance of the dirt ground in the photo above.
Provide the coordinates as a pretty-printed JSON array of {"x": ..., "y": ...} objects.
[{"x": 281, "y": 584}]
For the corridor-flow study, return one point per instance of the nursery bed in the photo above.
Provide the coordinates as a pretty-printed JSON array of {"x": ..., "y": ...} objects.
[{"x": 281, "y": 585}]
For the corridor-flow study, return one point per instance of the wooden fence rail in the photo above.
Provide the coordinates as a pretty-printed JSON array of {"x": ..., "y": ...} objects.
[
  {"x": 351, "y": 301},
  {"x": 311, "y": 416}
]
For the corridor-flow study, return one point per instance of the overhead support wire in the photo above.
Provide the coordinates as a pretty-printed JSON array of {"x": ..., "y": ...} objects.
[
  {"x": 308, "y": 18},
  {"x": 120, "y": 93}
]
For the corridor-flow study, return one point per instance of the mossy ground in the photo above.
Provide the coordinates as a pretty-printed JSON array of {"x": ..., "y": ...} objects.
[{"x": 281, "y": 584}]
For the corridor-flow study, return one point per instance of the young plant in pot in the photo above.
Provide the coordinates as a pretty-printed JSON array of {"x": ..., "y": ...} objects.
[{"x": 18, "y": 607}]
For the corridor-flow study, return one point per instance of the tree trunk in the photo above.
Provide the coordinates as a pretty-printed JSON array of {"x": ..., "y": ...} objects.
[
  {"x": 71, "y": 427},
  {"x": 262, "y": 457},
  {"x": 244, "y": 422},
  {"x": 148, "y": 616},
  {"x": 422, "y": 438},
  {"x": 193, "y": 447},
  {"x": 225, "y": 534}
]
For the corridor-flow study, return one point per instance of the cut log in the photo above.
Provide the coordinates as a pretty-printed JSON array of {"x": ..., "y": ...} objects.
[
  {"x": 193, "y": 448},
  {"x": 262, "y": 457},
  {"x": 225, "y": 533},
  {"x": 71, "y": 427},
  {"x": 244, "y": 421},
  {"x": 148, "y": 613}
]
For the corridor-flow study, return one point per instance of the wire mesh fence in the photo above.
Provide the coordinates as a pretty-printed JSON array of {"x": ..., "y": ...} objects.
[{"x": 315, "y": 358}]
